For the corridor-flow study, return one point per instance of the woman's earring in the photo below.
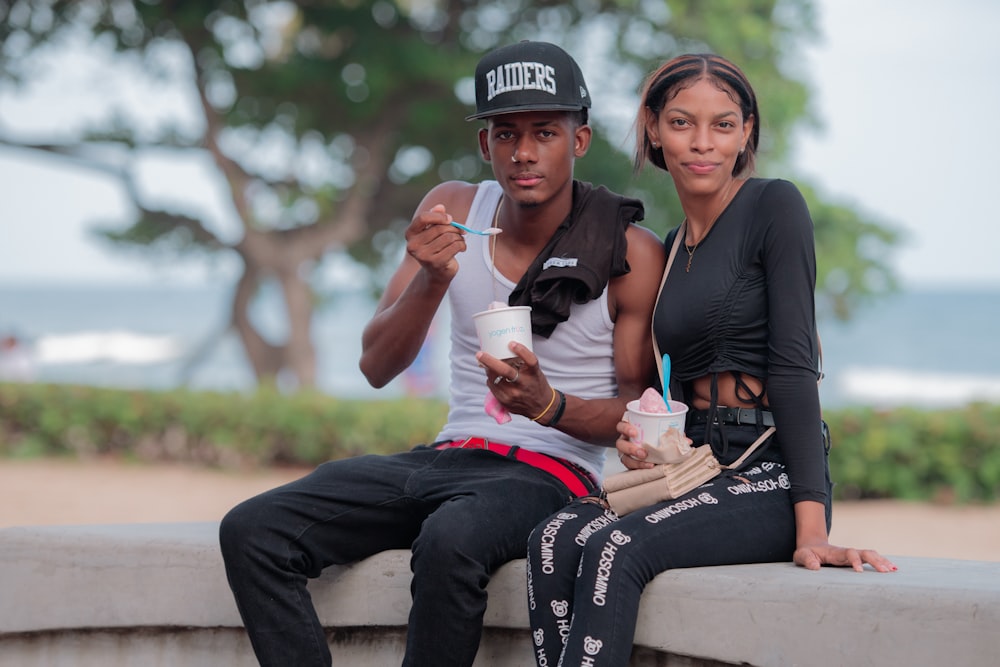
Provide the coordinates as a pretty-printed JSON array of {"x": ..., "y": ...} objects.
[{"x": 655, "y": 145}]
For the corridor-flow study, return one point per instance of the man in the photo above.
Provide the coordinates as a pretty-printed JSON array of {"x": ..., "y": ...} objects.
[{"x": 466, "y": 504}]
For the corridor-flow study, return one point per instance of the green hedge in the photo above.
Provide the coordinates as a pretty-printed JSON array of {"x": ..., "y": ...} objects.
[
  {"x": 945, "y": 455},
  {"x": 225, "y": 429},
  {"x": 941, "y": 455}
]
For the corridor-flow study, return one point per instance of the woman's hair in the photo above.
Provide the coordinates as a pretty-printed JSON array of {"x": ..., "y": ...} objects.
[{"x": 681, "y": 72}]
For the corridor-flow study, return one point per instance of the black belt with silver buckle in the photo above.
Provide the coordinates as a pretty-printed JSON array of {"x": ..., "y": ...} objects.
[{"x": 732, "y": 416}]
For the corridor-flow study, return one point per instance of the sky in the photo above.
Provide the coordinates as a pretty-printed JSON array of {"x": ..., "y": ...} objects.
[{"x": 906, "y": 92}]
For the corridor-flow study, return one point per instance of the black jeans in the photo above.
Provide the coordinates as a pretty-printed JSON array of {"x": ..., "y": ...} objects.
[
  {"x": 463, "y": 513},
  {"x": 587, "y": 568}
]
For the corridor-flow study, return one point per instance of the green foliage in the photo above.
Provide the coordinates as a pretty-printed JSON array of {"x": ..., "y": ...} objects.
[
  {"x": 224, "y": 429},
  {"x": 850, "y": 252},
  {"x": 942, "y": 455},
  {"x": 365, "y": 85}
]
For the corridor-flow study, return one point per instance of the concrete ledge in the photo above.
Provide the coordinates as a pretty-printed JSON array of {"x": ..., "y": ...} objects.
[{"x": 157, "y": 594}]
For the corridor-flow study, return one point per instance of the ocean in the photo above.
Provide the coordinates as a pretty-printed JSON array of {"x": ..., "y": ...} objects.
[{"x": 917, "y": 347}]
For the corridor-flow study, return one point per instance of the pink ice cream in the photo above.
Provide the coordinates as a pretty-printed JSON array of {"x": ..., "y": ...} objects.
[{"x": 652, "y": 401}]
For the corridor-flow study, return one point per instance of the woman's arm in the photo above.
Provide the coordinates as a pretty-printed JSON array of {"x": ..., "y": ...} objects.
[
  {"x": 792, "y": 390},
  {"x": 813, "y": 549},
  {"x": 789, "y": 262}
]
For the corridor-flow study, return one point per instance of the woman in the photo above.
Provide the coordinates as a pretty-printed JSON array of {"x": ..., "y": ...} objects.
[{"x": 737, "y": 317}]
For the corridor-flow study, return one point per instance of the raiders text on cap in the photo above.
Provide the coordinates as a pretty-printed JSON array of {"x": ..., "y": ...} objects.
[{"x": 520, "y": 76}]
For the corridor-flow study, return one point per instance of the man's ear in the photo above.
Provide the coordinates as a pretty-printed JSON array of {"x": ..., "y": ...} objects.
[
  {"x": 484, "y": 144},
  {"x": 582, "y": 138}
]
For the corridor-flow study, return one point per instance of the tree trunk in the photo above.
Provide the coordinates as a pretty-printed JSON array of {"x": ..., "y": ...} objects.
[{"x": 271, "y": 255}]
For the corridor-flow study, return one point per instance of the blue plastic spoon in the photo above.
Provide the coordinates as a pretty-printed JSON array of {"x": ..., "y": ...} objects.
[
  {"x": 486, "y": 232},
  {"x": 666, "y": 381}
]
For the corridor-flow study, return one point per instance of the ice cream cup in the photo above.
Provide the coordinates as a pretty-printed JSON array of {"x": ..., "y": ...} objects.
[
  {"x": 496, "y": 329},
  {"x": 652, "y": 425}
]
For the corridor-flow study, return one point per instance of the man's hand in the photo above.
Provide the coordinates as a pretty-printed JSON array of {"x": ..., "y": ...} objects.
[
  {"x": 434, "y": 242},
  {"x": 518, "y": 383}
]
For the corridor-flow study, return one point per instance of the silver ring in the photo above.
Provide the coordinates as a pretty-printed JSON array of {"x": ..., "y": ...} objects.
[
  {"x": 513, "y": 158},
  {"x": 517, "y": 374},
  {"x": 497, "y": 379}
]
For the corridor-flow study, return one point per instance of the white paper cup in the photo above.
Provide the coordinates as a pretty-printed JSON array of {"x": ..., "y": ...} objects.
[
  {"x": 497, "y": 328},
  {"x": 652, "y": 425}
]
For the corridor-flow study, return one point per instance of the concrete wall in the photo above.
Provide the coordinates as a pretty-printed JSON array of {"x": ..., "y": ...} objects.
[{"x": 156, "y": 594}]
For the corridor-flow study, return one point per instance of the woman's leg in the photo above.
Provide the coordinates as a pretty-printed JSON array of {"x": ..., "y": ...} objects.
[
  {"x": 553, "y": 561},
  {"x": 734, "y": 519}
]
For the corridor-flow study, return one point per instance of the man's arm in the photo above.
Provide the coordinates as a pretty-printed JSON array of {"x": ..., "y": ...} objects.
[
  {"x": 393, "y": 337},
  {"x": 635, "y": 297},
  {"x": 631, "y": 298}
]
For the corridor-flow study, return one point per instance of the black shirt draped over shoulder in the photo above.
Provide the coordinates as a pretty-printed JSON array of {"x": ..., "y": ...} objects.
[{"x": 588, "y": 249}]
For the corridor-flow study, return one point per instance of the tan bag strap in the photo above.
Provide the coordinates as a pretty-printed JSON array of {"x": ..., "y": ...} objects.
[
  {"x": 751, "y": 449},
  {"x": 652, "y": 328}
]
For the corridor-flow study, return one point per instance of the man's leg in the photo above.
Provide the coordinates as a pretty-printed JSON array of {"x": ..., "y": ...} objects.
[
  {"x": 273, "y": 543},
  {"x": 489, "y": 507}
]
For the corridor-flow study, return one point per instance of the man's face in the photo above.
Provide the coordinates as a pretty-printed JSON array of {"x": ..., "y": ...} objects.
[{"x": 532, "y": 152}]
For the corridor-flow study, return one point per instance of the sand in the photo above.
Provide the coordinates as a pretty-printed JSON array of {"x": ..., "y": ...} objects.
[{"x": 56, "y": 492}]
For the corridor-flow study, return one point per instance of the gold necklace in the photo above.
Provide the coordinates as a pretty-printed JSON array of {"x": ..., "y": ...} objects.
[{"x": 690, "y": 251}]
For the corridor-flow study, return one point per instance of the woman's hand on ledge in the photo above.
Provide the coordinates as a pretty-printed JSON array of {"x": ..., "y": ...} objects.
[
  {"x": 813, "y": 548},
  {"x": 812, "y": 557}
]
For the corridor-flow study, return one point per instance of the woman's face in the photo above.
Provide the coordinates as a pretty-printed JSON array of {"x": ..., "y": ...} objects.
[{"x": 701, "y": 131}]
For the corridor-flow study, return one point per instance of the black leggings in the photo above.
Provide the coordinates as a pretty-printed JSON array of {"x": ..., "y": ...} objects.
[{"x": 587, "y": 568}]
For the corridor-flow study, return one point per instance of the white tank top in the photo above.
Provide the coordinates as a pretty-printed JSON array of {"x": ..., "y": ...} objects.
[{"x": 577, "y": 359}]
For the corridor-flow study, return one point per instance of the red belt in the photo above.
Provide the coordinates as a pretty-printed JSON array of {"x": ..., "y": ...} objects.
[{"x": 576, "y": 479}]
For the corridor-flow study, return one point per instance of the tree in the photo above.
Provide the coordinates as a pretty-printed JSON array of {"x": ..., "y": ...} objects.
[{"x": 362, "y": 98}]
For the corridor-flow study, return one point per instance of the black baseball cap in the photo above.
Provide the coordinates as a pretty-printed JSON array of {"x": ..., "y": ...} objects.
[{"x": 528, "y": 76}]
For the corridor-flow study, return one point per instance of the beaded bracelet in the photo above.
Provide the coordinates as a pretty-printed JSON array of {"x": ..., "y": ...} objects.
[
  {"x": 559, "y": 410},
  {"x": 551, "y": 401}
]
